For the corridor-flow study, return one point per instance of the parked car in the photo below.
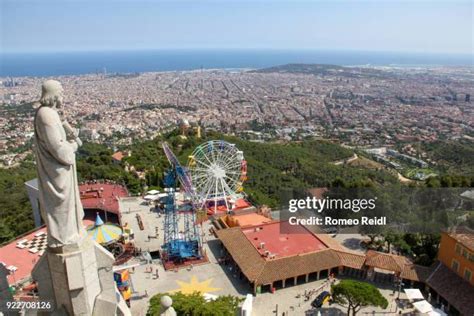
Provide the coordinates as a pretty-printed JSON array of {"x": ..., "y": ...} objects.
[{"x": 321, "y": 299}]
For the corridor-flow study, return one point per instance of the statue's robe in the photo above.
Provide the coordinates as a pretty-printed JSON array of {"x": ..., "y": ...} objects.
[{"x": 59, "y": 197}]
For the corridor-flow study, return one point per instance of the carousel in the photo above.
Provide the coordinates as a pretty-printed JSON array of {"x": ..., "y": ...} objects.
[{"x": 107, "y": 234}]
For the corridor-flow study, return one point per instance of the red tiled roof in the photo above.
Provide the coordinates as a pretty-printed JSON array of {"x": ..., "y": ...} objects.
[
  {"x": 351, "y": 259},
  {"x": 251, "y": 263},
  {"x": 251, "y": 219},
  {"x": 466, "y": 239},
  {"x": 241, "y": 203},
  {"x": 282, "y": 239},
  {"x": 22, "y": 258},
  {"x": 386, "y": 261},
  {"x": 293, "y": 266},
  {"x": 263, "y": 270},
  {"x": 118, "y": 156},
  {"x": 103, "y": 196},
  {"x": 415, "y": 272}
]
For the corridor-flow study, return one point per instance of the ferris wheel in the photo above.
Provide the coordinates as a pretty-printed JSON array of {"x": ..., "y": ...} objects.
[{"x": 218, "y": 170}]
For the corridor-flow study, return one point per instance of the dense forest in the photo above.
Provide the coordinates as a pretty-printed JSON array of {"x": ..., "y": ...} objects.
[
  {"x": 15, "y": 208},
  {"x": 273, "y": 168},
  {"x": 452, "y": 157}
]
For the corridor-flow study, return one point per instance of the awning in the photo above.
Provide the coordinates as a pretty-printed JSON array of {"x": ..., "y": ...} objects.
[
  {"x": 437, "y": 312},
  {"x": 414, "y": 294},
  {"x": 151, "y": 197},
  {"x": 423, "y": 307}
]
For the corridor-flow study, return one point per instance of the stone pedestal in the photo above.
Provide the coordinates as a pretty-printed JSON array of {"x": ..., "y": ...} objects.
[{"x": 78, "y": 279}]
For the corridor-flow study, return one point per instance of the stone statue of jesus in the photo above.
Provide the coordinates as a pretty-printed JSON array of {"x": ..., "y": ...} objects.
[{"x": 59, "y": 198}]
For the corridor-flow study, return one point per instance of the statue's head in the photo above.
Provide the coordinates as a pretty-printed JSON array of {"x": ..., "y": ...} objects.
[{"x": 51, "y": 93}]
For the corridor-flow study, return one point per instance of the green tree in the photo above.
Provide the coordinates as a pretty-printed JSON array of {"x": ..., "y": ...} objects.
[
  {"x": 390, "y": 238},
  {"x": 356, "y": 295},
  {"x": 16, "y": 216},
  {"x": 195, "y": 305},
  {"x": 433, "y": 182}
]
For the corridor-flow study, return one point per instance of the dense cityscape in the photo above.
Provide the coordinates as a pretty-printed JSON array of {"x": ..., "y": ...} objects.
[
  {"x": 358, "y": 106},
  {"x": 371, "y": 126}
]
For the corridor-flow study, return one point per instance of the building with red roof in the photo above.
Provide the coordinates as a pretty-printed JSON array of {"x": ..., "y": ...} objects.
[
  {"x": 96, "y": 196},
  {"x": 20, "y": 255},
  {"x": 277, "y": 254},
  {"x": 102, "y": 197},
  {"x": 117, "y": 157}
]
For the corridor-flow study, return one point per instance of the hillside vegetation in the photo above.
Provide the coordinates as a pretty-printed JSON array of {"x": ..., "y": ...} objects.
[
  {"x": 15, "y": 209},
  {"x": 453, "y": 157},
  {"x": 273, "y": 168}
]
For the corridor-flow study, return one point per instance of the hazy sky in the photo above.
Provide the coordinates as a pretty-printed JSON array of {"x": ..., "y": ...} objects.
[{"x": 381, "y": 25}]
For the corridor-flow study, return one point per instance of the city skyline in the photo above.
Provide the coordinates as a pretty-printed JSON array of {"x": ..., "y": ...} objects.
[{"x": 437, "y": 27}]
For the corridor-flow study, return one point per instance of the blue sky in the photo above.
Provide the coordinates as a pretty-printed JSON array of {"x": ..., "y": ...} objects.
[{"x": 383, "y": 25}]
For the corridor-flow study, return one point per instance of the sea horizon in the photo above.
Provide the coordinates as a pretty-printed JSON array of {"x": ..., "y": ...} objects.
[{"x": 44, "y": 64}]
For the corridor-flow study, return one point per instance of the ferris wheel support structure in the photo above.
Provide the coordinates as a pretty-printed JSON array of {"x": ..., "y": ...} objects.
[{"x": 186, "y": 244}]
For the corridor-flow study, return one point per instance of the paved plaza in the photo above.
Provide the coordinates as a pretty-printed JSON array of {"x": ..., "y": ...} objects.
[
  {"x": 351, "y": 241},
  {"x": 133, "y": 206},
  {"x": 215, "y": 278},
  {"x": 291, "y": 301},
  {"x": 210, "y": 278}
]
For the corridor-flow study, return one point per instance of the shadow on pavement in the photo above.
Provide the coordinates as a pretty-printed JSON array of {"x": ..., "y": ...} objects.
[{"x": 241, "y": 285}]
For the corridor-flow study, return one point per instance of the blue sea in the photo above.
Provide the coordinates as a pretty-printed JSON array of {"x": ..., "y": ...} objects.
[{"x": 73, "y": 63}]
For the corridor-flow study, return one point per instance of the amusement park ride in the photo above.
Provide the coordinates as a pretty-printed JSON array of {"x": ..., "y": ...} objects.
[
  {"x": 218, "y": 171},
  {"x": 212, "y": 182}
]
